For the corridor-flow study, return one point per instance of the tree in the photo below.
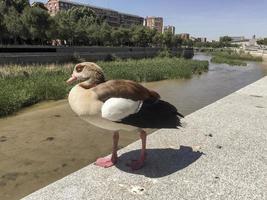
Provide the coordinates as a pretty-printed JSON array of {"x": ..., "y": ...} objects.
[
  {"x": 139, "y": 36},
  {"x": 157, "y": 39},
  {"x": 150, "y": 33},
  {"x": 262, "y": 41},
  {"x": 20, "y": 5},
  {"x": 117, "y": 36},
  {"x": 2, "y": 24},
  {"x": 168, "y": 39},
  {"x": 75, "y": 24},
  {"x": 37, "y": 22},
  {"x": 177, "y": 40},
  {"x": 225, "y": 39},
  {"x": 104, "y": 34},
  {"x": 188, "y": 43},
  {"x": 126, "y": 37},
  {"x": 14, "y": 25}
]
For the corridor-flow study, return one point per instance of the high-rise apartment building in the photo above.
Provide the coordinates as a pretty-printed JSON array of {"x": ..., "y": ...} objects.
[
  {"x": 112, "y": 17},
  {"x": 154, "y": 23}
]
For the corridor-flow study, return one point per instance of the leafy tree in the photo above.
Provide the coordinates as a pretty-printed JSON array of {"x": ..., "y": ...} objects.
[
  {"x": 225, "y": 39},
  {"x": 139, "y": 36},
  {"x": 168, "y": 39},
  {"x": 77, "y": 13},
  {"x": 117, "y": 36},
  {"x": 177, "y": 41},
  {"x": 20, "y": 5},
  {"x": 188, "y": 43},
  {"x": 150, "y": 33},
  {"x": 157, "y": 39},
  {"x": 2, "y": 24},
  {"x": 126, "y": 37},
  {"x": 63, "y": 26},
  {"x": 262, "y": 41},
  {"x": 37, "y": 22},
  {"x": 121, "y": 36},
  {"x": 104, "y": 34},
  {"x": 13, "y": 25},
  {"x": 74, "y": 25}
]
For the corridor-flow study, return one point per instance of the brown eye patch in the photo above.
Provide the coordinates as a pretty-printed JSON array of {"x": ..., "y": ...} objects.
[{"x": 79, "y": 68}]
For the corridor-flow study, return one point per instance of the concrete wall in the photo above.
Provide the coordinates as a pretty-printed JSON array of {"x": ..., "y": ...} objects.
[{"x": 37, "y": 54}]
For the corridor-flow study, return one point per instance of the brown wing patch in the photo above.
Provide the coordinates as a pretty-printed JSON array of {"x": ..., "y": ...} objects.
[{"x": 123, "y": 89}]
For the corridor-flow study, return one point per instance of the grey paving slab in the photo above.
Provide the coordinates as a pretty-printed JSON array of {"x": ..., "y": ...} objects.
[{"x": 219, "y": 153}]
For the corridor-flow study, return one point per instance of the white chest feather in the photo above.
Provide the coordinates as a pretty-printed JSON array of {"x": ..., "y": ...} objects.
[{"x": 115, "y": 109}]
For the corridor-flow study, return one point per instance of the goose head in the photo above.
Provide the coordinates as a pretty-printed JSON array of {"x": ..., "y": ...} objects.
[{"x": 88, "y": 74}]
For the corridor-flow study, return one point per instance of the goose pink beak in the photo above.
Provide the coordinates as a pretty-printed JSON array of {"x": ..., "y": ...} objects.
[{"x": 71, "y": 79}]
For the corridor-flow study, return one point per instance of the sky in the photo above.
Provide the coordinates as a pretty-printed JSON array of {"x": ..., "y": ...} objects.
[{"x": 200, "y": 18}]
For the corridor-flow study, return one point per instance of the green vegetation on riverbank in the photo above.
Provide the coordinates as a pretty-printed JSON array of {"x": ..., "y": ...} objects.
[
  {"x": 221, "y": 60},
  {"x": 233, "y": 58},
  {"x": 24, "y": 86}
]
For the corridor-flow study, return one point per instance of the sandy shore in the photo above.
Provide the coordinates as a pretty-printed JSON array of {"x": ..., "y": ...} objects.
[{"x": 45, "y": 143}]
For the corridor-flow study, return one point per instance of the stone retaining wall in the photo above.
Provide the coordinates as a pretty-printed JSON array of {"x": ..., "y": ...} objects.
[{"x": 37, "y": 54}]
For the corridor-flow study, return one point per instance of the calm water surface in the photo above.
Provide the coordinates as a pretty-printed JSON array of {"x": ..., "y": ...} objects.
[{"x": 221, "y": 79}]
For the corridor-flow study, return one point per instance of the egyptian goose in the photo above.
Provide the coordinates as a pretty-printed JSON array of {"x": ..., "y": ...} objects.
[{"x": 104, "y": 103}]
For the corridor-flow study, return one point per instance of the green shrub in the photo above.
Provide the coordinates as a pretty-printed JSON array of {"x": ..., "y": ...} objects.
[{"x": 165, "y": 53}]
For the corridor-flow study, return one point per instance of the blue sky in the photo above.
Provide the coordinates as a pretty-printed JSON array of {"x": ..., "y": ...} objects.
[{"x": 200, "y": 18}]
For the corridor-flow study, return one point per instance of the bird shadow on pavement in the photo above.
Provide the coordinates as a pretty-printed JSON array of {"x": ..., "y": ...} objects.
[
  {"x": 160, "y": 114},
  {"x": 160, "y": 162}
]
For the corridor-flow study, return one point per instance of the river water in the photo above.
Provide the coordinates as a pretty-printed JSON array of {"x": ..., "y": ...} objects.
[{"x": 192, "y": 94}]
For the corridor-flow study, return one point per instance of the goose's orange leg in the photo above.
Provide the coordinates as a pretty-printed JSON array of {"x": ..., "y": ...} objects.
[
  {"x": 107, "y": 161},
  {"x": 137, "y": 164}
]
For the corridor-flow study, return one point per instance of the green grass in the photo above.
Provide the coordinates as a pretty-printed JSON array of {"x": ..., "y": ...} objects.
[
  {"x": 155, "y": 69},
  {"x": 232, "y": 62},
  {"x": 233, "y": 58},
  {"x": 22, "y": 86},
  {"x": 18, "y": 89}
]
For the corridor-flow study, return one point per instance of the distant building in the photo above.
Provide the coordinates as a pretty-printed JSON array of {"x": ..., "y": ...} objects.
[
  {"x": 248, "y": 43},
  {"x": 236, "y": 38},
  {"x": 112, "y": 17},
  {"x": 184, "y": 36},
  {"x": 154, "y": 23},
  {"x": 169, "y": 28},
  {"x": 199, "y": 39},
  {"x": 202, "y": 39},
  {"x": 128, "y": 20}
]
